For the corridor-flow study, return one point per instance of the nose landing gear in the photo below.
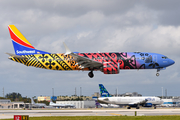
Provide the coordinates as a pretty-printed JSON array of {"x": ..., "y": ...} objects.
[
  {"x": 90, "y": 74},
  {"x": 157, "y": 74}
]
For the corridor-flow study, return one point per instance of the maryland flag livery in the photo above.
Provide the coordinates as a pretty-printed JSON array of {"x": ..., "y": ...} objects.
[{"x": 108, "y": 63}]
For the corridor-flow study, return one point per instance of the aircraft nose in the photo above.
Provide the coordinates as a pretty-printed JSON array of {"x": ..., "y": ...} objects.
[{"x": 171, "y": 62}]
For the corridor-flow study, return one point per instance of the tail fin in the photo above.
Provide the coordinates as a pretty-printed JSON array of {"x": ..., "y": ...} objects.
[
  {"x": 51, "y": 102},
  {"x": 32, "y": 101},
  {"x": 103, "y": 91},
  {"x": 21, "y": 45}
]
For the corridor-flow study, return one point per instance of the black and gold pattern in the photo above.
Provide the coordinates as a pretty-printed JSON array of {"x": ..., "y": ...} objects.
[{"x": 48, "y": 61}]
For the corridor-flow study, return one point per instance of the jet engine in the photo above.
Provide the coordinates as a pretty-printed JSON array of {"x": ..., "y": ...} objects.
[{"x": 147, "y": 105}]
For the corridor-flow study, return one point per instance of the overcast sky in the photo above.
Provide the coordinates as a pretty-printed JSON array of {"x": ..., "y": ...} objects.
[{"x": 91, "y": 26}]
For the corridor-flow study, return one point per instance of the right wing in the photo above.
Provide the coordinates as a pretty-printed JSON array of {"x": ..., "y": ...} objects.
[{"x": 84, "y": 62}]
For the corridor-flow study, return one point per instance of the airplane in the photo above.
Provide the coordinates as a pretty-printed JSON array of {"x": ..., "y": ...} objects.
[
  {"x": 37, "y": 105},
  {"x": 108, "y": 63},
  {"x": 60, "y": 105},
  {"x": 106, "y": 98}
]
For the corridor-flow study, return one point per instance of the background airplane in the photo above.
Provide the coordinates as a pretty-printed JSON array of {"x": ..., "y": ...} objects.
[
  {"x": 128, "y": 101},
  {"x": 37, "y": 105},
  {"x": 108, "y": 63},
  {"x": 60, "y": 105}
]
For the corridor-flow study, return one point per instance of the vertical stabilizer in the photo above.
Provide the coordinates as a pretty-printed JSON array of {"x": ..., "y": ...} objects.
[
  {"x": 103, "y": 91},
  {"x": 21, "y": 45},
  {"x": 32, "y": 101},
  {"x": 51, "y": 102}
]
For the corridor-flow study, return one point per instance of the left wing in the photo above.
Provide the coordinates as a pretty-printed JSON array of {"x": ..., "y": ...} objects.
[
  {"x": 138, "y": 102},
  {"x": 84, "y": 62}
]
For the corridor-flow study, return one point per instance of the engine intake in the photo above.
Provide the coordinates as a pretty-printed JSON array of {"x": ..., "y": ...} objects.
[{"x": 147, "y": 105}]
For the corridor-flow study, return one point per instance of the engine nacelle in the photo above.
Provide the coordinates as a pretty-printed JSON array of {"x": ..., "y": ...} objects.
[
  {"x": 110, "y": 69},
  {"x": 147, "y": 105}
]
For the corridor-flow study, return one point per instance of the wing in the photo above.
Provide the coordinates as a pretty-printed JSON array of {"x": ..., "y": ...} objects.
[
  {"x": 84, "y": 62},
  {"x": 138, "y": 102}
]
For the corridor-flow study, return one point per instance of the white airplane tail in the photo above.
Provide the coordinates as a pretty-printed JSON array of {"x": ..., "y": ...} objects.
[
  {"x": 32, "y": 101},
  {"x": 51, "y": 102}
]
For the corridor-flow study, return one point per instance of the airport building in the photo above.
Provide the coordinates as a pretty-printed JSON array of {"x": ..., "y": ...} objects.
[
  {"x": 79, "y": 104},
  {"x": 73, "y": 98},
  {"x": 44, "y": 98},
  {"x": 7, "y": 104},
  {"x": 171, "y": 103}
]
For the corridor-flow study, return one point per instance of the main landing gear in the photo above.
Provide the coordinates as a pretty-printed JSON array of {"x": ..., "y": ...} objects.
[
  {"x": 128, "y": 107},
  {"x": 90, "y": 74}
]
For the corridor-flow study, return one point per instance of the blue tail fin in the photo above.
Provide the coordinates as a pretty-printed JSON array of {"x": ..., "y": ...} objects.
[{"x": 103, "y": 91}]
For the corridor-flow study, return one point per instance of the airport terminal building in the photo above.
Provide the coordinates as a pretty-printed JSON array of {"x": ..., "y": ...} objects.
[{"x": 79, "y": 104}]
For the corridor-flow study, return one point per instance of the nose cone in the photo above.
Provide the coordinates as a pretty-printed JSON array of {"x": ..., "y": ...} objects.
[{"x": 171, "y": 62}]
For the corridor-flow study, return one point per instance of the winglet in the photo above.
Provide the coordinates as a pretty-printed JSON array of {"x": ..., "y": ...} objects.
[{"x": 68, "y": 51}]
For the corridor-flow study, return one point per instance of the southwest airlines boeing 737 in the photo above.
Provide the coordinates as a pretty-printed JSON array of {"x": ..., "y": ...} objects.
[{"x": 108, "y": 63}]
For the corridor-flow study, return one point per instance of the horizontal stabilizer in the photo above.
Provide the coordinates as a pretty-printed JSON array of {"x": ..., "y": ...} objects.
[{"x": 17, "y": 56}]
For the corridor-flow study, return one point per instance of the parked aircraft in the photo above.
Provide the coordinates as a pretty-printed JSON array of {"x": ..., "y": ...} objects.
[
  {"x": 60, "y": 105},
  {"x": 128, "y": 101},
  {"x": 108, "y": 63},
  {"x": 37, "y": 105}
]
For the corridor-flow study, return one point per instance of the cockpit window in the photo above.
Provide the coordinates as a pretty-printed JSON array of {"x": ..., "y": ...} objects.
[
  {"x": 164, "y": 57},
  {"x": 148, "y": 59}
]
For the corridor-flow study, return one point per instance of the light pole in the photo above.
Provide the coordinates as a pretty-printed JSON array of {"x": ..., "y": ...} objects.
[
  {"x": 117, "y": 92},
  {"x": 162, "y": 92},
  {"x": 53, "y": 92}
]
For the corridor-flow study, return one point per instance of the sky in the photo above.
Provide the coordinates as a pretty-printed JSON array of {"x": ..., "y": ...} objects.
[{"x": 91, "y": 26}]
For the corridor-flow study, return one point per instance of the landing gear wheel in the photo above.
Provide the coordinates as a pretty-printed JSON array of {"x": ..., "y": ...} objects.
[
  {"x": 137, "y": 107},
  {"x": 154, "y": 107},
  {"x": 90, "y": 74},
  {"x": 157, "y": 74},
  {"x": 128, "y": 107}
]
